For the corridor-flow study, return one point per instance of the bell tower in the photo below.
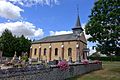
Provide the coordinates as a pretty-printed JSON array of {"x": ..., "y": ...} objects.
[{"x": 77, "y": 30}]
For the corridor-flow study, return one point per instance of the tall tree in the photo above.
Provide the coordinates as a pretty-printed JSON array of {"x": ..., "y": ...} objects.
[
  {"x": 24, "y": 44},
  {"x": 9, "y": 44},
  {"x": 104, "y": 26},
  {"x": 7, "y": 40}
]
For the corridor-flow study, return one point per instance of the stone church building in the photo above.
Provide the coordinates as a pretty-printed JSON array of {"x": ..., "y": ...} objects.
[{"x": 67, "y": 46}]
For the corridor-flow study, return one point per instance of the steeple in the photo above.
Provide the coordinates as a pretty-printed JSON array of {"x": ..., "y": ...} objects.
[{"x": 77, "y": 26}]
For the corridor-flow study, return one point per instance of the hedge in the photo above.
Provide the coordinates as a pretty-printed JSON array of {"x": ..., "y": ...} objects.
[{"x": 113, "y": 58}]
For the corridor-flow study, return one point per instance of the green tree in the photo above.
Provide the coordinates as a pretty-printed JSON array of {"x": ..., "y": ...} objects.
[
  {"x": 7, "y": 40},
  {"x": 23, "y": 45},
  {"x": 96, "y": 54},
  {"x": 9, "y": 44},
  {"x": 104, "y": 26}
]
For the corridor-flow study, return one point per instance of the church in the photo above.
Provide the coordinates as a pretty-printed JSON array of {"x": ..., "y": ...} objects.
[{"x": 61, "y": 47}]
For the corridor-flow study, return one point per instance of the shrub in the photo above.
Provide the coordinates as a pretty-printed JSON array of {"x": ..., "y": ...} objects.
[
  {"x": 113, "y": 58},
  {"x": 25, "y": 58},
  {"x": 63, "y": 65}
]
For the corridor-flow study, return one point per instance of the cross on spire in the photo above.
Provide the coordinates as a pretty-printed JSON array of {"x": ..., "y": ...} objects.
[{"x": 77, "y": 9}]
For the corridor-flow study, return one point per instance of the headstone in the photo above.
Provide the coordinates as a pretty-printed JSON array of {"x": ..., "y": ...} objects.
[
  {"x": 30, "y": 61},
  {"x": 19, "y": 58},
  {"x": 14, "y": 59}
]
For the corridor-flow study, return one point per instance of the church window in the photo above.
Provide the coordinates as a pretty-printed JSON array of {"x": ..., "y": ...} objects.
[
  {"x": 45, "y": 51},
  {"x": 35, "y": 51},
  {"x": 69, "y": 51},
  {"x": 56, "y": 51}
]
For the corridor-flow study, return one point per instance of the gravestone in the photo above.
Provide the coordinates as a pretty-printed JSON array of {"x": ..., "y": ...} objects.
[
  {"x": 30, "y": 61},
  {"x": 14, "y": 59}
]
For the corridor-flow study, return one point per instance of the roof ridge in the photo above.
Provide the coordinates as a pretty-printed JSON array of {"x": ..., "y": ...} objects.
[{"x": 59, "y": 35}]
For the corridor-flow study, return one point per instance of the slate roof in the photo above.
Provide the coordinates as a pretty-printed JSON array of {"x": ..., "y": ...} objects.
[
  {"x": 77, "y": 25},
  {"x": 57, "y": 38}
]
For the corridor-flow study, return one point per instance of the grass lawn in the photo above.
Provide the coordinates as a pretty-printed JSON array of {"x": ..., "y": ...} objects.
[{"x": 110, "y": 71}]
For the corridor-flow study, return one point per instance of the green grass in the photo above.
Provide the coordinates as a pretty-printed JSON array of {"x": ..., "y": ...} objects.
[{"x": 110, "y": 71}]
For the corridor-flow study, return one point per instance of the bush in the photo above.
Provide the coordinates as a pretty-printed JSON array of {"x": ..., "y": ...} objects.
[
  {"x": 113, "y": 58},
  {"x": 25, "y": 58},
  {"x": 63, "y": 65}
]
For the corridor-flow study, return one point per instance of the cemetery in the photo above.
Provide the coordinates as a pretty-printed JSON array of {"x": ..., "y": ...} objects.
[{"x": 17, "y": 69}]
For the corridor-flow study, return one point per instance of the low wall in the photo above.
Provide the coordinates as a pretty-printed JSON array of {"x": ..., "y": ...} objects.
[{"x": 50, "y": 73}]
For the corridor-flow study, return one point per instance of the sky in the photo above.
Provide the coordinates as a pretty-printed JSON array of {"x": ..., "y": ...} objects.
[{"x": 39, "y": 18}]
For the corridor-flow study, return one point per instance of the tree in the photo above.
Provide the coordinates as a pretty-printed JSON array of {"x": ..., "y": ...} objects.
[
  {"x": 7, "y": 40},
  {"x": 96, "y": 54},
  {"x": 24, "y": 45},
  {"x": 9, "y": 44},
  {"x": 104, "y": 26}
]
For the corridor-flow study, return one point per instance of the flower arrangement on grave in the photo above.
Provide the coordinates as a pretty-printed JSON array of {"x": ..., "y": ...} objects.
[
  {"x": 85, "y": 62},
  {"x": 63, "y": 65},
  {"x": 96, "y": 61}
]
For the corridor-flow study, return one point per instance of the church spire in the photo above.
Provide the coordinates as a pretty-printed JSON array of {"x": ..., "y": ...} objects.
[{"x": 77, "y": 25}]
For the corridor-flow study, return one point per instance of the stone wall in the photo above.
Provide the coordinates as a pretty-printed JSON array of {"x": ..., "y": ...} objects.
[{"x": 39, "y": 72}]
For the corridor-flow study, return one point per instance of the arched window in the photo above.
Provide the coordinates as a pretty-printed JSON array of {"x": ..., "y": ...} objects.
[
  {"x": 45, "y": 50},
  {"x": 69, "y": 51},
  {"x": 56, "y": 51},
  {"x": 35, "y": 51}
]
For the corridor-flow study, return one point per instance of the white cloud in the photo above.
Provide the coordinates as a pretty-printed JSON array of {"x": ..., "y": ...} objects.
[
  {"x": 67, "y": 32},
  {"x": 9, "y": 11},
  {"x": 59, "y": 32},
  {"x": 34, "y": 2},
  {"x": 87, "y": 36},
  {"x": 92, "y": 51},
  {"x": 22, "y": 28}
]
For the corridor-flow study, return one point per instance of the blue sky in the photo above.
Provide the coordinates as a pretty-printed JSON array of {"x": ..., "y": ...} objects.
[{"x": 40, "y": 18}]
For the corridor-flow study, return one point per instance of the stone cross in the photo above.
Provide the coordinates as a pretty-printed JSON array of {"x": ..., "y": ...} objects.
[{"x": 14, "y": 56}]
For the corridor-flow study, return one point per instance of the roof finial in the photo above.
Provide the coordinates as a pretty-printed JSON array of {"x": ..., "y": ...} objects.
[
  {"x": 77, "y": 25},
  {"x": 78, "y": 19},
  {"x": 77, "y": 9}
]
